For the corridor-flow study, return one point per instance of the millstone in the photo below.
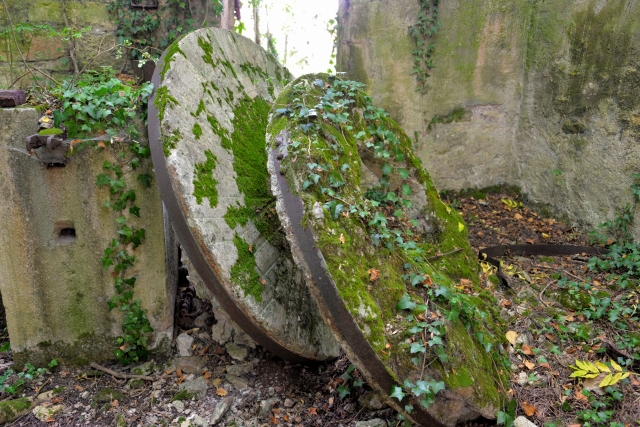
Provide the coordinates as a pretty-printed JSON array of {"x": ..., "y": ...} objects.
[
  {"x": 207, "y": 120},
  {"x": 389, "y": 263}
]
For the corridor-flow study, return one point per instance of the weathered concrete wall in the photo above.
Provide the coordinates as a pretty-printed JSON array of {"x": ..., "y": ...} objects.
[
  {"x": 534, "y": 88},
  {"x": 51, "y": 54},
  {"x": 54, "y": 288}
]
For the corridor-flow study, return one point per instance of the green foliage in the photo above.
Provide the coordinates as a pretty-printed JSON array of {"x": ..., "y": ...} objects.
[
  {"x": 132, "y": 345},
  {"x": 12, "y": 382},
  {"x": 422, "y": 33},
  {"x": 157, "y": 28},
  {"x": 98, "y": 102}
]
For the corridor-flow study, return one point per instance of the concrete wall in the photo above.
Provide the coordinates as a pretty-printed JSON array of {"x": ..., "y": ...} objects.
[
  {"x": 54, "y": 289},
  {"x": 51, "y": 54},
  {"x": 543, "y": 88}
]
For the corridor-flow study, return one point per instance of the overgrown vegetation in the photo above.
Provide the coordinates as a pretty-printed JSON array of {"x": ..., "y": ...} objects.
[
  {"x": 335, "y": 125},
  {"x": 422, "y": 33}
]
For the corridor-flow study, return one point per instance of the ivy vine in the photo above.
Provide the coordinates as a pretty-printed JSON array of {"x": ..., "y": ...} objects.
[
  {"x": 156, "y": 29},
  {"x": 422, "y": 33},
  {"x": 382, "y": 211}
]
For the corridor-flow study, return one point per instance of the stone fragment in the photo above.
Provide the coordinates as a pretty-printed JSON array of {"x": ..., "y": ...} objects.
[
  {"x": 376, "y": 422},
  {"x": 266, "y": 406},
  {"x": 146, "y": 368},
  {"x": 184, "y": 343},
  {"x": 197, "y": 388},
  {"x": 203, "y": 320},
  {"x": 44, "y": 413},
  {"x": 207, "y": 120},
  {"x": 197, "y": 421},
  {"x": 523, "y": 422},
  {"x": 236, "y": 351},
  {"x": 289, "y": 403},
  {"x": 12, "y": 98},
  {"x": 190, "y": 364},
  {"x": 179, "y": 405},
  {"x": 374, "y": 400},
  {"x": 221, "y": 331},
  {"x": 238, "y": 382},
  {"x": 243, "y": 339},
  {"x": 221, "y": 408},
  {"x": 106, "y": 395},
  {"x": 240, "y": 369}
]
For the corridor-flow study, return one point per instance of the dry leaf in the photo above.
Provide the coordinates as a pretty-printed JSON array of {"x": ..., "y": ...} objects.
[
  {"x": 571, "y": 350},
  {"x": 274, "y": 420},
  {"x": 313, "y": 411},
  {"x": 342, "y": 238},
  {"x": 101, "y": 144},
  {"x": 373, "y": 274},
  {"x": 529, "y": 365},
  {"x": 387, "y": 345},
  {"x": 511, "y": 337},
  {"x": 178, "y": 372},
  {"x": 114, "y": 404},
  {"x": 251, "y": 248},
  {"x": 263, "y": 282},
  {"x": 545, "y": 235},
  {"x": 466, "y": 282},
  {"x": 505, "y": 303},
  {"x": 581, "y": 397},
  {"x": 207, "y": 375},
  {"x": 79, "y": 388},
  {"x": 526, "y": 349},
  {"x": 57, "y": 400},
  {"x": 427, "y": 281},
  {"x": 518, "y": 216},
  {"x": 221, "y": 392},
  {"x": 545, "y": 365},
  {"x": 50, "y": 419},
  {"x": 528, "y": 408}
]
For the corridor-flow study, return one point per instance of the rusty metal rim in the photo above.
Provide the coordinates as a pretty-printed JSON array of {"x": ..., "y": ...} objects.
[
  {"x": 179, "y": 222},
  {"x": 340, "y": 316}
]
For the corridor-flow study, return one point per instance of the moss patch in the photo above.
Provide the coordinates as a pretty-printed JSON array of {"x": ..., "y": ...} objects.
[
  {"x": 208, "y": 51},
  {"x": 106, "y": 395},
  {"x": 204, "y": 184},
  {"x": 219, "y": 130},
  {"x": 52, "y": 131},
  {"x": 197, "y": 130},
  {"x": 171, "y": 52},
  {"x": 170, "y": 142},
  {"x": 162, "y": 101},
  {"x": 9, "y": 409},
  {"x": 244, "y": 273}
]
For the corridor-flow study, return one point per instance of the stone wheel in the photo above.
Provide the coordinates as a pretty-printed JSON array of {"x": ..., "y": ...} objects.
[{"x": 207, "y": 121}]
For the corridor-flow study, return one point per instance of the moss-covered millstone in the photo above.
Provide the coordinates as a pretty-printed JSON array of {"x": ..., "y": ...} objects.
[
  {"x": 207, "y": 124},
  {"x": 393, "y": 269}
]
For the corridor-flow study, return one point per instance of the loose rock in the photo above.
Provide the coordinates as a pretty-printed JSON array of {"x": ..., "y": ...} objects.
[
  {"x": 184, "y": 343},
  {"x": 221, "y": 408},
  {"x": 523, "y": 422},
  {"x": 190, "y": 364},
  {"x": 376, "y": 422},
  {"x": 46, "y": 412},
  {"x": 197, "y": 388},
  {"x": 236, "y": 351}
]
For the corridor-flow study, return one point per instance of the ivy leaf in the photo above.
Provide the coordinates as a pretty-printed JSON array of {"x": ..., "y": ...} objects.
[
  {"x": 397, "y": 392},
  {"x": 404, "y": 174},
  {"x": 406, "y": 303},
  {"x": 417, "y": 348}
]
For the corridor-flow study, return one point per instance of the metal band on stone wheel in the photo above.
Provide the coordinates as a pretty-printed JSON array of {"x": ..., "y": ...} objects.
[{"x": 212, "y": 89}]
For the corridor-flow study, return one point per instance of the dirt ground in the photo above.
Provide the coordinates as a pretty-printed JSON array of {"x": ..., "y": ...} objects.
[{"x": 547, "y": 339}]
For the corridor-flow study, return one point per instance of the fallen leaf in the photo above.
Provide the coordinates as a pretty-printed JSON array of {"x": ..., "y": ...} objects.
[
  {"x": 251, "y": 248},
  {"x": 50, "y": 419},
  {"x": 581, "y": 397},
  {"x": 263, "y": 282},
  {"x": 545, "y": 365},
  {"x": 79, "y": 388},
  {"x": 276, "y": 411},
  {"x": 387, "y": 345},
  {"x": 511, "y": 337},
  {"x": 571, "y": 350},
  {"x": 574, "y": 425},
  {"x": 101, "y": 144},
  {"x": 634, "y": 380},
  {"x": 221, "y": 392},
  {"x": 545, "y": 235},
  {"x": 427, "y": 281},
  {"x": 114, "y": 404},
  {"x": 373, "y": 274},
  {"x": 207, "y": 375},
  {"x": 342, "y": 238},
  {"x": 216, "y": 382},
  {"x": 178, "y": 372},
  {"x": 505, "y": 303},
  {"x": 518, "y": 216},
  {"x": 313, "y": 411},
  {"x": 529, "y": 365},
  {"x": 57, "y": 400},
  {"x": 528, "y": 408},
  {"x": 274, "y": 420},
  {"x": 465, "y": 282},
  {"x": 526, "y": 349}
]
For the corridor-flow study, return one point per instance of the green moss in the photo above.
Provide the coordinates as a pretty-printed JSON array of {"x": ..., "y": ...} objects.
[
  {"x": 219, "y": 130},
  {"x": 250, "y": 162},
  {"x": 244, "y": 272},
  {"x": 201, "y": 108},
  {"x": 9, "y": 409},
  {"x": 458, "y": 114},
  {"x": 106, "y": 395},
  {"x": 171, "y": 52},
  {"x": 52, "y": 131},
  {"x": 197, "y": 130},
  {"x": 163, "y": 99},
  {"x": 58, "y": 390},
  {"x": 573, "y": 126},
  {"x": 182, "y": 395},
  {"x": 208, "y": 51},
  {"x": 170, "y": 142},
  {"x": 204, "y": 184}
]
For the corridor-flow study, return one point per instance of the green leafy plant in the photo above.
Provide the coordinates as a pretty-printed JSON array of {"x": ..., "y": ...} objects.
[
  {"x": 422, "y": 33},
  {"x": 11, "y": 382},
  {"x": 132, "y": 345},
  {"x": 99, "y": 103}
]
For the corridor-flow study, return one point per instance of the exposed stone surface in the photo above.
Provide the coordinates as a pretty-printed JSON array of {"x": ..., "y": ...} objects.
[
  {"x": 236, "y": 351},
  {"x": 212, "y": 104},
  {"x": 523, "y": 422},
  {"x": 44, "y": 412},
  {"x": 373, "y": 400},
  {"x": 238, "y": 382},
  {"x": 376, "y": 422},
  {"x": 550, "y": 105}
]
